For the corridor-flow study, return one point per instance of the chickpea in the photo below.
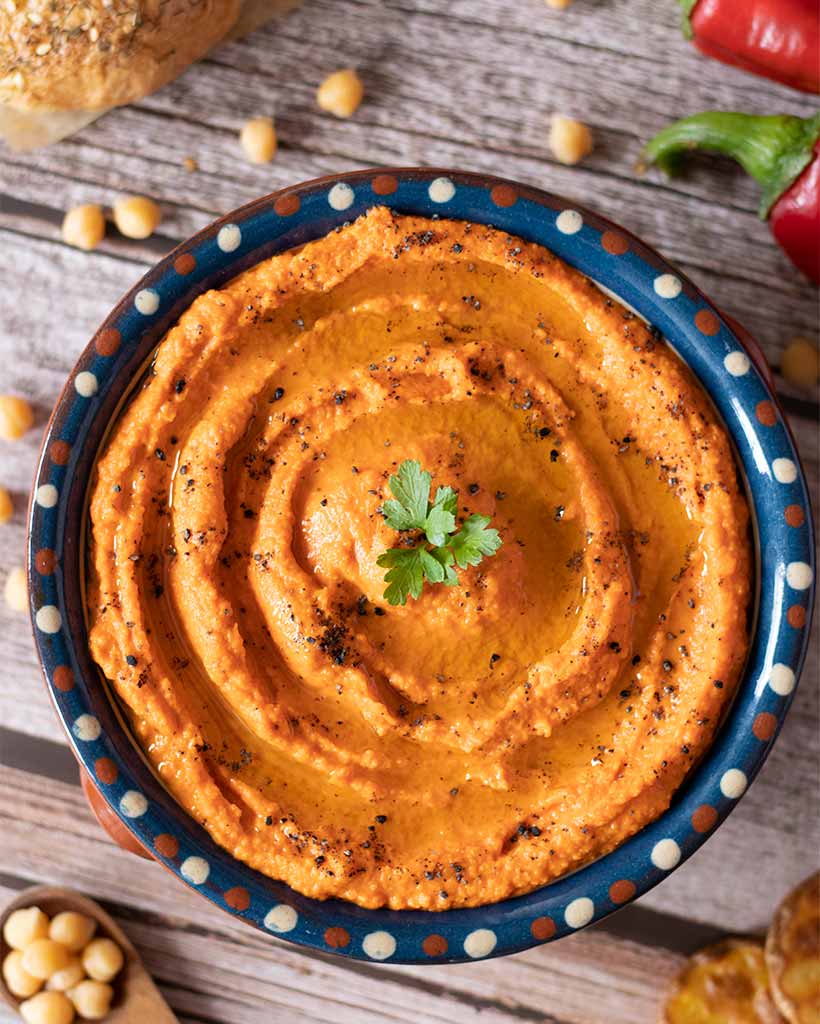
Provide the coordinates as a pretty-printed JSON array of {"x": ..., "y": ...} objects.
[
  {"x": 91, "y": 999},
  {"x": 47, "y": 1008},
  {"x": 18, "y": 981},
  {"x": 190, "y": 164},
  {"x": 558, "y": 5},
  {"x": 15, "y": 591},
  {"x": 341, "y": 93},
  {"x": 258, "y": 139},
  {"x": 43, "y": 957},
  {"x": 136, "y": 216},
  {"x": 570, "y": 141},
  {"x": 71, "y": 929},
  {"x": 6, "y": 506},
  {"x": 800, "y": 363},
  {"x": 23, "y": 926},
  {"x": 84, "y": 227},
  {"x": 68, "y": 977},
  {"x": 102, "y": 959},
  {"x": 16, "y": 417}
]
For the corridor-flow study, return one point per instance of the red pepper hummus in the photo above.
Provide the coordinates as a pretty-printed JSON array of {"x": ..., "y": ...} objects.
[{"x": 486, "y": 738}]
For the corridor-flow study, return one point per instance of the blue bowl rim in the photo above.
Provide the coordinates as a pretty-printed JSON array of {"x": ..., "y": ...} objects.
[{"x": 637, "y": 275}]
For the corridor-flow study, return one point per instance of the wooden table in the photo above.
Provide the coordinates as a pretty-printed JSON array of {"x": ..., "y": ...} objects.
[{"x": 452, "y": 83}]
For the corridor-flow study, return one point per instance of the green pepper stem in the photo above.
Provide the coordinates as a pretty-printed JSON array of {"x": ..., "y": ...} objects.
[
  {"x": 773, "y": 150},
  {"x": 686, "y": 8}
]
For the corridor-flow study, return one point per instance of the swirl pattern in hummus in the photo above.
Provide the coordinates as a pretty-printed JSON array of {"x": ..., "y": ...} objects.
[{"x": 486, "y": 738}]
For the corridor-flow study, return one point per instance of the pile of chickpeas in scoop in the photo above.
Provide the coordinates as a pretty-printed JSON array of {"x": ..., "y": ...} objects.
[{"x": 57, "y": 967}]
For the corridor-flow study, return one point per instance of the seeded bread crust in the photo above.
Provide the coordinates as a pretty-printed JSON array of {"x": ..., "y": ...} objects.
[{"x": 94, "y": 54}]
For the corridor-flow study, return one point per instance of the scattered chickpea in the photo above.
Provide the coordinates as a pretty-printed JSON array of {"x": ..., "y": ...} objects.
[
  {"x": 71, "y": 929},
  {"x": 84, "y": 227},
  {"x": 43, "y": 957},
  {"x": 570, "y": 141},
  {"x": 558, "y": 5},
  {"x": 16, "y": 417},
  {"x": 102, "y": 959},
  {"x": 6, "y": 506},
  {"x": 15, "y": 593},
  {"x": 91, "y": 999},
  {"x": 341, "y": 93},
  {"x": 23, "y": 926},
  {"x": 136, "y": 216},
  {"x": 800, "y": 363},
  {"x": 190, "y": 164},
  {"x": 68, "y": 977},
  {"x": 47, "y": 1008},
  {"x": 18, "y": 981},
  {"x": 258, "y": 140}
]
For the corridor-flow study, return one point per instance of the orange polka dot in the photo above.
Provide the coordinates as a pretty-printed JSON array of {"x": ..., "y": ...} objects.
[
  {"x": 621, "y": 891},
  {"x": 105, "y": 770},
  {"x": 503, "y": 195},
  {"x": 795, "y": 516},
  {"x": 59, "y": 452},
  {"x": 434, "y": 945},
  {"x": 184, "y": 263},
  {"x": 764, "y": 725},
  {"x": 704, "y": 818},
  {"x": 238, "y": 898},
  {"x": 107, "y": 341},
  {"x": 45, "y": 561},
  {"x": 796, "y": 616},
  {"x": 542, "y": 928},
  {"x": 337, "y": 938},
  {"x": 166, "y": 845},
  {"x": 766, "y": 413},
  {"x": 614, "y": 243},
  {"x": 384, "y": 184},
  {"x": 706, "y": 322},
  {"x": 287, "y": 205},
  {"x": 63, "y": 678}
]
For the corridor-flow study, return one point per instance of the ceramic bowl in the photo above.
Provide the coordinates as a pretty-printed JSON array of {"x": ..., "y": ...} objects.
[{"x": 131, "y": 798}]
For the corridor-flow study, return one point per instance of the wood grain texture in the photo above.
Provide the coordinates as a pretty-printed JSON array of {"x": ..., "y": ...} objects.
[{"x": 449, "y": 83}]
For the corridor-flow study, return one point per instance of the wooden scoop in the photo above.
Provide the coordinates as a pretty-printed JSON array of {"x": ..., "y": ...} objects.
[{"x": 136, "y": 997}]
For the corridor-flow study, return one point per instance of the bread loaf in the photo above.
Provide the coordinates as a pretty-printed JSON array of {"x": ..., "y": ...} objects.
[{"x": 59, "y": 55}]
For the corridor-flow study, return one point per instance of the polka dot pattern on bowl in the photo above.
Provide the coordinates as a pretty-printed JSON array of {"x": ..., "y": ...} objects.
[{"x": 655, "y": 290}]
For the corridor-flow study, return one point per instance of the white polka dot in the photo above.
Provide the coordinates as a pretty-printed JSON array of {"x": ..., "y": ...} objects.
[
  {"x": 195, "y": 870},
  {"x": 668, "y": 286},
  {"x": 737, "y": 363},
  {"x": 340, "y": 196},
  {"x": 579, "y": 912},
  {"x": 785, "y": 471},
  {"x": 569, "y": 222},
  {"x": 281, "y": 918},
  {"x": 86, "y": 728},
  {"x": 666, "y": 854},
  {"x": 781, "y": 679},
  {"x": 379, "y": 945},
  {"x": 147, "y": 301},
  {"x": 733, "y": 783},
  {"x": 86, "y": 384},
  {"x": 48, "y": 619},
  {"x": 799, "y": 575},
  {"x": 46, "y": 496},
  {"x": 229, "y": 238},
  {"x": 133, "y": 804},
  {"x": 441, "y": 190},
  {"x": 480, "y": 943}
]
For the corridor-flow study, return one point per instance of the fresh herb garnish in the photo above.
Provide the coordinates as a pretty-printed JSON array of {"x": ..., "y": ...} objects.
[{"x": 442, "y": 547}]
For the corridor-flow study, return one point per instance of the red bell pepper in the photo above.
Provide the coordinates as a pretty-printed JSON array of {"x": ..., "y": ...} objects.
[
  {"x": 781, "y": 153},
  {"x": 778, "y": 39}
]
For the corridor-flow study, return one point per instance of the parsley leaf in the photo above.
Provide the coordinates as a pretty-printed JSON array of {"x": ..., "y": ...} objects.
[
  {"x": 473, "y": 541},
  {"x": 411, "y": 489},
  {"x": 411, "y": 509},
  {"x": 405, "y": 577}
]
